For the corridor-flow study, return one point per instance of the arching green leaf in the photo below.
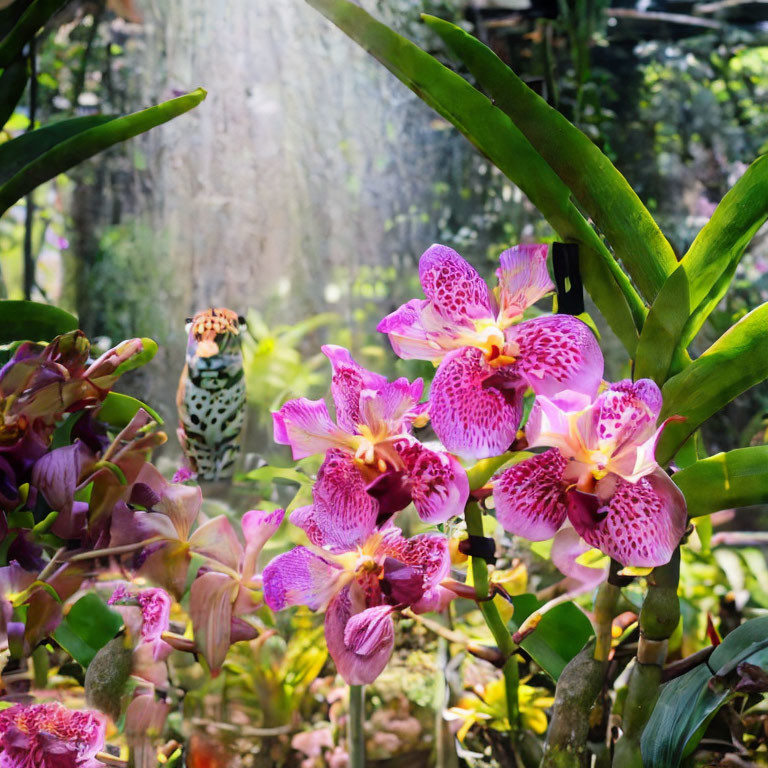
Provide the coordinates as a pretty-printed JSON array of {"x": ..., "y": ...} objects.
[
  {"x": 735, "y": 362},
  {"x": 496, "y": 136},
  {"x": 40, "y": 155},
  {"x": 595, "y": 182},
  {"x": 31, "y": 321},
  {"x": 701, "y": 279},
  {"x": 737, "y": 478}
]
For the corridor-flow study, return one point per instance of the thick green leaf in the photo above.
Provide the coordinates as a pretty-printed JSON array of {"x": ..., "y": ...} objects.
[
  {"x": 42, "y": 154},
  {"x": 28, "y": 25},
  {"x": 12, "y": 84},
  {"x": 496, "y": 137},
  {"x": 688, "y": 703},
  {"x": 88, "y": 626},
  {"x": 738, "y": 478},
  {"x": 595, "y": 182},
  {"x": 701, "y": 279},
  {"x": 559, "y": 636},
  {"x": 31, "y": 321},
  {"x": 735, "y": 362},
  {"x": 117, "y": 410}
]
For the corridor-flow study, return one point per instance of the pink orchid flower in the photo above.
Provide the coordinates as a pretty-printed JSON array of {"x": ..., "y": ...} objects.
[
  {"x": 600, "y": 473},
  {"x": 50, "y": 736},
  {"x": 358, "y": 572},
  {"x": 219, "y": 597},
  {"x": 372, "y": 433},
  {"x": 487, "y": 357}
]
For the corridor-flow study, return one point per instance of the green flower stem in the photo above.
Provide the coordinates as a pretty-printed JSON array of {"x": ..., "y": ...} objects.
[
  {"x": 501, "y": 634},
  {"x": 355, "y": 732},
  {"x": 659, "y": 617}
]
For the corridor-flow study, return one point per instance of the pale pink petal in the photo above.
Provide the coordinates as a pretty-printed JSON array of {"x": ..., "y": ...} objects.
[
  {"x": 348, "y": 381},
  {"x": 181, "y": 504},
  {"x": 392, "y": 408},
  {"x": 475, "y": 409},
  {"x": 523, "y": 279},
  {"x": 417, "y": 332},
  {"x": 549, "y": 423},
  {"x": 356, "y": 668},
  {"x": 300, "y": 577},
  {"x": 567, "y": 547},
  {"x": 529, "y": 496},
  {"x": 556, "y": 352},
  {"x": 343, "y": 514},
  {"x": 307, "y": 427},
  {"x": 144, "y": 722},
  {"x": 217, "y": 539},
  {"x": 640, "y": 524},
  {"x": 438, "y": 483},
  {"x": 367, "y": 633},
  {"x": 210, "y": 609},
  {"x": 258, "y": 526},
  {"x": 454, "y": 287}
]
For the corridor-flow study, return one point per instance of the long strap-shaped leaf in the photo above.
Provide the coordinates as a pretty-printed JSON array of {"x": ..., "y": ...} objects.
[
  {"x": 737, "y": 478},
  {"x": 26, "y": 28},
  {"x": 735, "y": 362},
  {"x": 46, "y": 152},
  {"x": 702, "y": 277},
  {"x": 494, "y": 134},
  {"x": 595, "y": 182}
]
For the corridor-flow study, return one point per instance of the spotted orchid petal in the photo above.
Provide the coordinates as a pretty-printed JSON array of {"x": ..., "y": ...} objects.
[
  {"x": 438, "y": 483},
  {"x": 529, "y": 496},
  {"x": 349, "y": 380},
  {"x": 638, "y": 524},
  {"x": 343, "y": 515},
  {"x": 454, "y": 287},
  {"x": 300, "y": 577},
  {"x": 475, "y": 409},
  {"x": 523, "y": 279},
  {"x": 307, "y": 427},
  {"x": 371, "y": 637},
  {"x": 258, "y": 527},
  {"x": 555, "y": 353}
]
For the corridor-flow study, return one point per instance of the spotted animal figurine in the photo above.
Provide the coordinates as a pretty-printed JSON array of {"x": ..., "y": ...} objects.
[{"x": 211, "y": 394}]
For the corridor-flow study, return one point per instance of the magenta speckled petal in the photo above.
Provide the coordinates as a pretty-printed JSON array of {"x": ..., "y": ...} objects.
[
  {"x": 370, "y": 632},
  {"x": 557, "y": 352},
  {"x": 355, "y": 668},
  {"x": 300, "y": 577},
  {"x": 343, "y": 515},
  {"x": 471, "y": 416},
  {"x": 640, "y": 524},
  {"x": 428, "y": 552},
  {"x": 529, "y": 496},
  {"x": 523, "y": 279},
  {"x": 307, "y": 427},
  {"x": 348, "y": 381},
  {"x": 438, "y": 483}
]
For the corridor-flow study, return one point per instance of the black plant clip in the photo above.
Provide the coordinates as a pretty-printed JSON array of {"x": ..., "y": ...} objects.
[
  {"x": 479, "y": 546},
  {"x": 570, "y": 290}
]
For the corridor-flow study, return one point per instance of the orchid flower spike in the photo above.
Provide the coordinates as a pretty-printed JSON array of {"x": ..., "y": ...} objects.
[
  {"x": 487, "y": 357},
  {"x": 600, "y": 473},
  {"x": 357, "y": 572},
  {"x": 372, "y": 433}
]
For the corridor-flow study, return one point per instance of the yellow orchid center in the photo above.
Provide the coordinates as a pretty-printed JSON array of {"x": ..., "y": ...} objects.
[
  {"x": 489, "y": 337},
  {"x": 365, "y": 445}
]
